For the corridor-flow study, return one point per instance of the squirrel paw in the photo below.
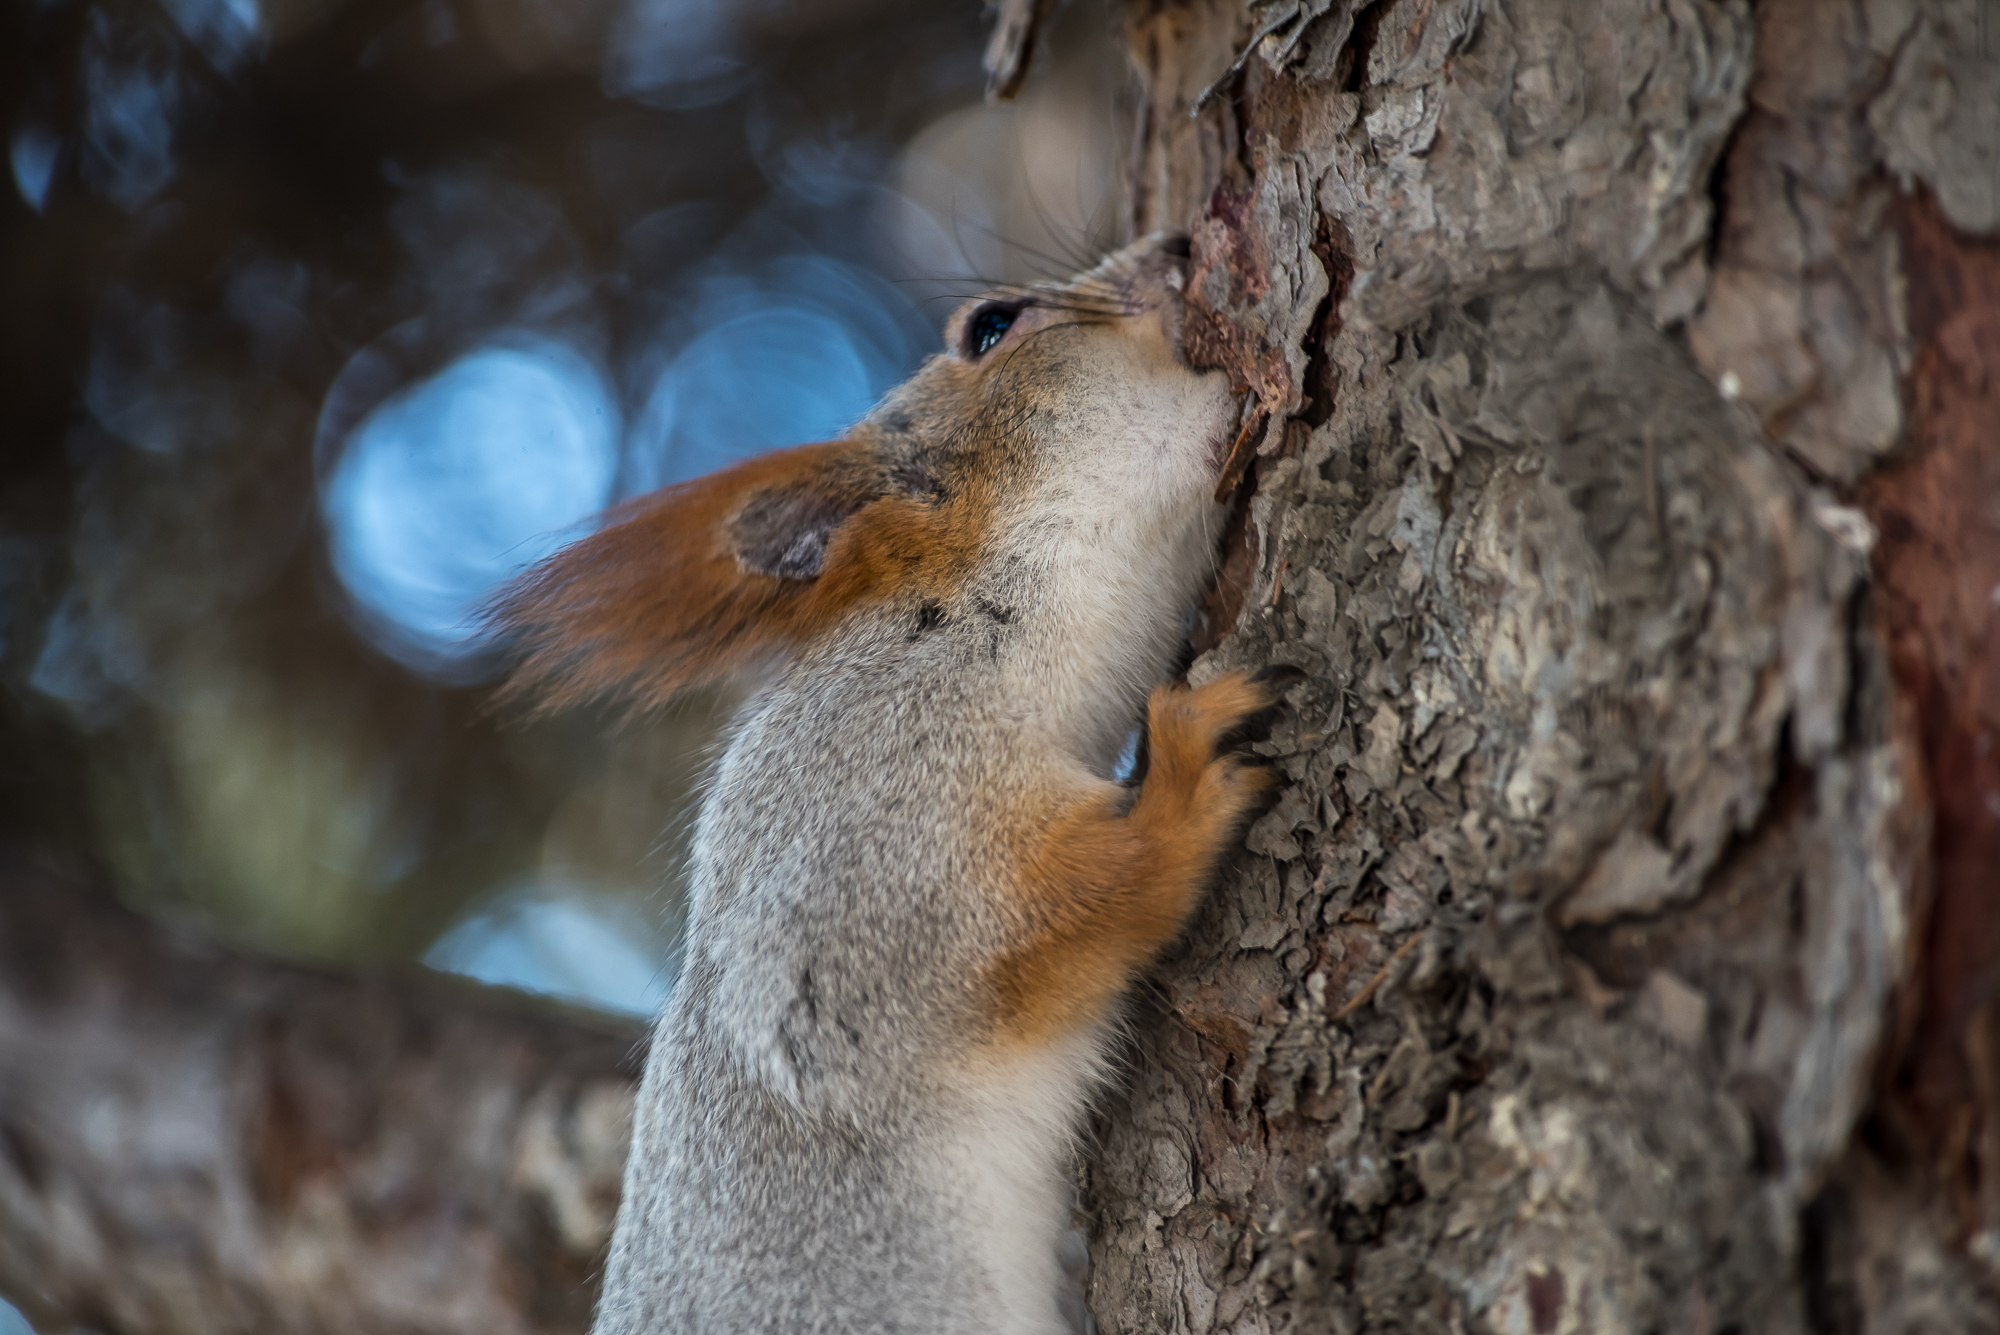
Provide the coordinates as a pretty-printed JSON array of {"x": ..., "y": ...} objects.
[{"x": 1198, "y": 733}]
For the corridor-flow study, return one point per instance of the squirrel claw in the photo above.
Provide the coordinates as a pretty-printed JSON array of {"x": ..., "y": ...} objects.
[
  {"x": 1254, "y": 725},
  {"x": 1279, "y": 676}
]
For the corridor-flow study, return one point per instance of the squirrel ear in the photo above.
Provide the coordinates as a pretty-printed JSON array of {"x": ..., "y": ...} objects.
[
  {"x": 785, "y": 531},
  {"x": 690, "y": 583}
]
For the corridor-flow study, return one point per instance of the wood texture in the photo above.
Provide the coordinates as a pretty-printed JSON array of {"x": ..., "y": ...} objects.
[{"x": 1558, "y": 990}]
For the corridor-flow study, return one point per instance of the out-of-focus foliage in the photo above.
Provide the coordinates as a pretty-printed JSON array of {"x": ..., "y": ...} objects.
[{"x": 325, "y": 316}]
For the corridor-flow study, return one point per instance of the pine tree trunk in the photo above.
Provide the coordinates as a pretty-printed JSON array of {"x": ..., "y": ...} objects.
[{"x": 1622, "y": 465}]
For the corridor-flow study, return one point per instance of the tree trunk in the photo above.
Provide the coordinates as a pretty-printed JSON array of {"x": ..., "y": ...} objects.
[{"x": 1620, "y": 954}]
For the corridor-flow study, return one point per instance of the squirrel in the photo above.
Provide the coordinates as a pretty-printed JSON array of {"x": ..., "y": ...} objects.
[{"x": 917, "y": 895}]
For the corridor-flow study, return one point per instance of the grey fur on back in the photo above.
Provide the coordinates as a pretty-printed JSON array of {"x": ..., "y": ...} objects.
[{"x": 830, "y": 1136}]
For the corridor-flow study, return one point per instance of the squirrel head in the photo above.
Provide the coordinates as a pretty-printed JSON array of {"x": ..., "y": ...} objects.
[{"x": 1060, "y": 426}]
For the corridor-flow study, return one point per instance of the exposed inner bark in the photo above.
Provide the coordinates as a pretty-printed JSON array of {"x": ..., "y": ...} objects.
[{"x": 1939, "y": 570}]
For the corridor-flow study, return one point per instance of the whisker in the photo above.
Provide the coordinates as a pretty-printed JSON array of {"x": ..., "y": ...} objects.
[
  {"x": 1079, "y": 258},
  {"x": 1067, "y": 264}
]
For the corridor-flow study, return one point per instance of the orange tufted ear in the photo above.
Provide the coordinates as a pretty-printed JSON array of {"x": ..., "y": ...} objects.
[{"x": 694, "y": 581}]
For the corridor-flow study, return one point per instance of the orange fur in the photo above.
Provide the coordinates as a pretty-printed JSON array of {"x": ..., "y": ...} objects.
[
  {"x": 659, "y": 601},
  {"x": 1101, "y": 893}
]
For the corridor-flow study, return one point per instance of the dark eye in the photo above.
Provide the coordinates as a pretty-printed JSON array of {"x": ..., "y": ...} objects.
[{"x": 988, "y": 325}]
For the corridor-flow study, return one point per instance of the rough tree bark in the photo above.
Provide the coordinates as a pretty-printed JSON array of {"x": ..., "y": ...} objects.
[{"x": 1620, "y": 953}]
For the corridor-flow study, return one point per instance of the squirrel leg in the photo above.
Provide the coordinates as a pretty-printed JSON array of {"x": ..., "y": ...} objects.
[
  {"x": 1197, "y": 790},
  {"x": 1103, "y": 890}
]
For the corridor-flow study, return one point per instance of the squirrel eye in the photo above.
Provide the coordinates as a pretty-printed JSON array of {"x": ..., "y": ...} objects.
[{"x": 988, "y": 325}]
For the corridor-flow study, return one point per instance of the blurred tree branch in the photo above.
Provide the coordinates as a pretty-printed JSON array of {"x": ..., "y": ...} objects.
[
  {"x": 1012, "y": 45},
  {"x": 197, "y": 1141}
]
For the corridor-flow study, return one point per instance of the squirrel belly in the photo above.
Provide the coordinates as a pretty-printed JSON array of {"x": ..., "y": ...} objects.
[
  {"x": 756, "y": 1217},
  {"x": 916, "y": 898}
]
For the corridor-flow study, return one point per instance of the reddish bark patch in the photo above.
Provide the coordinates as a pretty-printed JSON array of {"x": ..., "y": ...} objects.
[
  {"x": 1545, "y": 1300},
  {"x": 1226, "y": 277},
  {"x": 1938, "y": 571},
  {"x": 287, "y": 1148}
]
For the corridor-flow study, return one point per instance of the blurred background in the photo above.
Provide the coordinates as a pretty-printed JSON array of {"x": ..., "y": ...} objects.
[{"x": 323, "y": 317}]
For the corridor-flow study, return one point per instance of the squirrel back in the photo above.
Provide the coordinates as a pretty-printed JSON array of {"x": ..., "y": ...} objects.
[{"x": 917, "y": 897}]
